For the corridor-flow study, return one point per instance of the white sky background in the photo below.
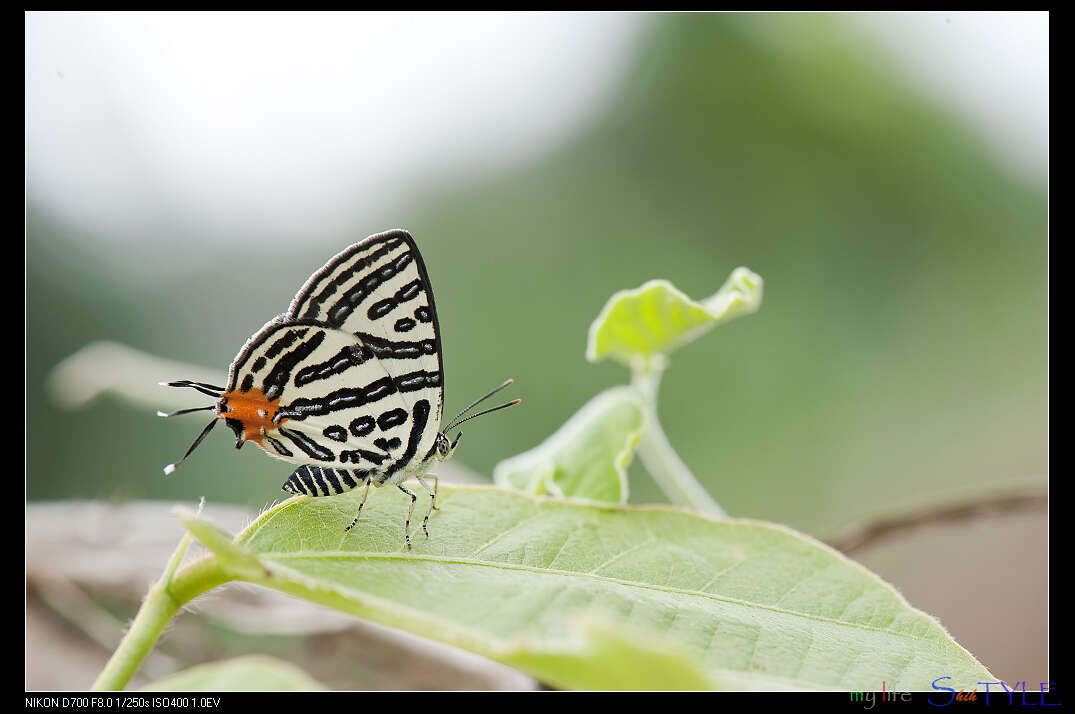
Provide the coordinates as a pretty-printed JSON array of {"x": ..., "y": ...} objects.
[
  {"x": 256, "y": 126},
  {"x": 259, "y": 125},
  {"x": 991, "y": 66}
]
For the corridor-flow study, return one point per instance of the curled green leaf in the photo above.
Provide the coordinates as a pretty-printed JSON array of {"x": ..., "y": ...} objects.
[
  {"x": 655, "y": 319},
  {"x": 587, "y": 457},
  {"x": 237, "y": 558},
  {"x": 598, "y": 654}
]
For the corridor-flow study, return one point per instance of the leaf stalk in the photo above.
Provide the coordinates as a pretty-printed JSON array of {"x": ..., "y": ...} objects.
[
  {"x": 657, "y": 454},
  {"x": 170, "y": 593}
]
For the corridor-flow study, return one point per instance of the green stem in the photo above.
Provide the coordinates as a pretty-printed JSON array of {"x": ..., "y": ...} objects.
[
  {"x": 660, "y": 459},
  {"x": 167, "y": 595}
]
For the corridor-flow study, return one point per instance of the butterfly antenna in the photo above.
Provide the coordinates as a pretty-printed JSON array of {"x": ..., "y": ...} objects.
[
  {"x": 455, "y": 423},
  {"x": 207, "y": 389},
  {"x": 185, "y": 411},
  {"x": 171, "y": 467},
  {"x": 478, "y": 401}
]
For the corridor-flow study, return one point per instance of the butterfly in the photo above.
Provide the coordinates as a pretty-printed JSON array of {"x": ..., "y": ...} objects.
[{"x": 349, "y": 382}]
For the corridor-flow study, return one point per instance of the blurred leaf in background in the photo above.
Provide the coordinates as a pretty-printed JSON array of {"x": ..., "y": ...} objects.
[
  {"x": 902, "y": 345},
  {"x": 901, "y": 350}
]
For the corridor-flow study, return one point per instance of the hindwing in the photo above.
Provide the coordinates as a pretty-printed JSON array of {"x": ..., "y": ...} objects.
[{"x": 331, "y": 399}]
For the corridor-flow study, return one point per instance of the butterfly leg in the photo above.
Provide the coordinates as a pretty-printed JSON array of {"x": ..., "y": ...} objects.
[
  {"x": 432, "y": 499},
  {"x": 369, "y": 480},
  {"x": 410, "y": 512}
]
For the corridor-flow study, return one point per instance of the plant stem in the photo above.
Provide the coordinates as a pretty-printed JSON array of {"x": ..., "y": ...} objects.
[
  {"x": 161, "y": 604},
  {"x": 660, "y": 459}
]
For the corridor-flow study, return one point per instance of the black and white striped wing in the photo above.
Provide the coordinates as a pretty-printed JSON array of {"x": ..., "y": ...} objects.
[
  {"x": 378, "y": 290},
  {"x": 335, "y": 401}
]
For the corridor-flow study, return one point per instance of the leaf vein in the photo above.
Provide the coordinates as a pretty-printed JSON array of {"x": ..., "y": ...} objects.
[
  {"x": 352, "y": 555},
  {"x": 622, "y": 553}
]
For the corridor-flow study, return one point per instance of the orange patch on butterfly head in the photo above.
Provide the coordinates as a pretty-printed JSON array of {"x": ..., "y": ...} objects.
[{"x": 253, "y": 411}]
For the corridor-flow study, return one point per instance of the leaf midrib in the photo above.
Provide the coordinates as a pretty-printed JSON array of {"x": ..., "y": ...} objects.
[{"x": 356, "y": 555}]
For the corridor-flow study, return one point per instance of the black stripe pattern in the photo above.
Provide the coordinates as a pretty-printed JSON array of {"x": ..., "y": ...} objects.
[
  {"x": 419, "y": 419},
  {"x": 350, "y": 356},
  {"x": 338, "y": 275},
  {"x": 308, "y": 446},
  {"x": 350, "y": 397},
  {"x": 353, "y": 370},
  {"x": 318, "y": 481}
]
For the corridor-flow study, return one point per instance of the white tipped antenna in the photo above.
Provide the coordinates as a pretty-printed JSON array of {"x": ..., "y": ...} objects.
[
  {"x": 185, "y": 411},
  {"x": 209, "y": 427}
]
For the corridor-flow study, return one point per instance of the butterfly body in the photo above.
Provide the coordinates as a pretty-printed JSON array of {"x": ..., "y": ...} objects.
[{"x": 348, "y": 383}]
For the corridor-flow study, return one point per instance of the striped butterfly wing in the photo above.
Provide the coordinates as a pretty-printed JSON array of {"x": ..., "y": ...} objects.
[
  {"x": 379, "y": 290},
  {"x": 350, "y": 377},
  {"x": 308, "y": 394}
]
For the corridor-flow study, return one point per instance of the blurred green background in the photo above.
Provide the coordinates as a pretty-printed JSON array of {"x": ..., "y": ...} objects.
[{"x": 900, "y": 352}]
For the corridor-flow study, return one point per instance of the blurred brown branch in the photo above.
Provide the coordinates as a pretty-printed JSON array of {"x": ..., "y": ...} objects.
[{"x": 868, "y": 535}]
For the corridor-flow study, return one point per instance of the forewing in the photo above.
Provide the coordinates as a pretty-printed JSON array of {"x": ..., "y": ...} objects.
[{"x": 379, "y": 290}]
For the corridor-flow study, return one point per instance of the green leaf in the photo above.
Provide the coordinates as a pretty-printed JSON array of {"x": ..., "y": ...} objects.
[
  {"x": 234, "y": 557},
  {"x": 507, "y": 575},
  {"x": 655, "y": 319},
  {"x": 241, "y": 674},
  {"x": 605, "y": 656},
  {"x": 587, "y": 457}
]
